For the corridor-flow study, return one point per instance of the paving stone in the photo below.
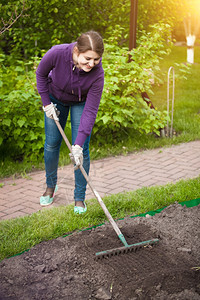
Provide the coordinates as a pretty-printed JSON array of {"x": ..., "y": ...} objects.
[
  {"x": 17, "y": 201},
  {"x": 16, "y": 214}
]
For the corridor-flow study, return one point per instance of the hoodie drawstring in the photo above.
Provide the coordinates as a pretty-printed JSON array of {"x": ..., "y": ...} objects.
[{"x": 79, "y": 87}]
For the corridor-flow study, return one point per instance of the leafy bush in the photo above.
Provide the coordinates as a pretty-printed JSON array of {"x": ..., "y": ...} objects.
[
  {"x": 21, "y": 117},
  {"x": 46, "y": 23},
  {"x": 126, "y": 77}
]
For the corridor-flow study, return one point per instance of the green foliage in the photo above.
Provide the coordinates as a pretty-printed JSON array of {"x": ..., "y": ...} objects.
[
  {"x": 21, "y": 128},
  {"x": 122, "y": 105},
  {"x": 46, "y": 23},
  {"x": 151, "y": 12}
]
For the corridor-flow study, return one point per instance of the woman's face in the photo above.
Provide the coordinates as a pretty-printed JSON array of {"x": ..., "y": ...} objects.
[{"x": 87, "y": 60}]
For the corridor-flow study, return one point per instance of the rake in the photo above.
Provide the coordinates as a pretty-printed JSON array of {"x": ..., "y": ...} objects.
[{"x": 116, "y": 251}]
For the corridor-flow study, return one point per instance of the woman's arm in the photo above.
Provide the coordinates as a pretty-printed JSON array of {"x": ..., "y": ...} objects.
[
  {"x": 90, "y": 110},
  {"x": 45, "y": 66}
]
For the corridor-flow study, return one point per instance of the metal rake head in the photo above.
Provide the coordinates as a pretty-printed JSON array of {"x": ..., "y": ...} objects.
[{"x": 125, "y": 249}]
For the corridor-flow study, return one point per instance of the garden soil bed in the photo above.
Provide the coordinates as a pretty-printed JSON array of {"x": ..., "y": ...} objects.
[{"x": 65, "y": 268}]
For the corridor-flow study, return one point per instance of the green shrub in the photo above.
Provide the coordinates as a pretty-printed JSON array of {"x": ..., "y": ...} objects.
[
  {"x": 20, "y": 110},
  {"x": 126, "y": 77}
]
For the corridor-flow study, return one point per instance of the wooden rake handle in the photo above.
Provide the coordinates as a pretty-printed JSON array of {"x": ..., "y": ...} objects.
[{"x": 96, "y": 194}]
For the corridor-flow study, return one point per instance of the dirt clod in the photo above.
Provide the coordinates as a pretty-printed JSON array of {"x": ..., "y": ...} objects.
[{"x": 103, "y": 294}]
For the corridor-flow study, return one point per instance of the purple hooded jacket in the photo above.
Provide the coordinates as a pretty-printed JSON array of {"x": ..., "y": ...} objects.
[{"x": 58, "y": 76}]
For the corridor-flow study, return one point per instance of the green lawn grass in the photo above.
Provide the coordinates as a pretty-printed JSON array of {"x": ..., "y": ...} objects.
[{"x": 187, "y": 95}]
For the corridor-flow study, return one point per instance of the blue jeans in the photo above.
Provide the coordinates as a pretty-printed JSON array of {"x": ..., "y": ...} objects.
[{"x": 53, "y": 142}]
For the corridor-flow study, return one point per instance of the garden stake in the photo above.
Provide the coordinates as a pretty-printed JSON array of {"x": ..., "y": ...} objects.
[
  {"x": 116, "y": 251},
  {"x": 170, "y": 132}
]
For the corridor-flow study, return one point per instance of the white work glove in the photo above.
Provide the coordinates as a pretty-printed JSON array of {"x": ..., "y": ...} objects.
[
  {"x": 51, "y": 111},
  {"x": 77, "y": 156}
]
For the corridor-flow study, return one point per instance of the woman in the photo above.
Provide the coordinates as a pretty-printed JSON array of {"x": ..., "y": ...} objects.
[{"x": 70, "y": 77}]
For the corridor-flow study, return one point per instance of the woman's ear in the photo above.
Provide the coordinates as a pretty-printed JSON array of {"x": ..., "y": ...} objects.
[{"x": 76, "y": 51}]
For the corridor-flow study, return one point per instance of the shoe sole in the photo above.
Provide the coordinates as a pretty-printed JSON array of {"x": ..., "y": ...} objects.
[{"x": 46, "y": 204}]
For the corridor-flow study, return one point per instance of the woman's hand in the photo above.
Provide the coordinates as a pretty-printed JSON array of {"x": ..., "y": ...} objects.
[
  {"x": 77, "y": 155},
  {"x": 51, "y": 111}
]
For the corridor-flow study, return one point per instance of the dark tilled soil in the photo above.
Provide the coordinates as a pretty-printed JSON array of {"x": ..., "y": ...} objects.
[{"x": 65, "y": 268}]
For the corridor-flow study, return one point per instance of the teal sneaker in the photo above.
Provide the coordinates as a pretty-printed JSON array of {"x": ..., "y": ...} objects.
[
  {"x": 47, "y": 200},
  {"x": 80, "y": 210}
]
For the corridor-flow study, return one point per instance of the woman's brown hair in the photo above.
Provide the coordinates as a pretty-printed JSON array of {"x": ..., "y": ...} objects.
[{"x": 90, "y": 40}]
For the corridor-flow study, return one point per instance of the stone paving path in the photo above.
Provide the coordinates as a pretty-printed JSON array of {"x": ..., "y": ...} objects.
[{"x": 19, "y": 197}]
